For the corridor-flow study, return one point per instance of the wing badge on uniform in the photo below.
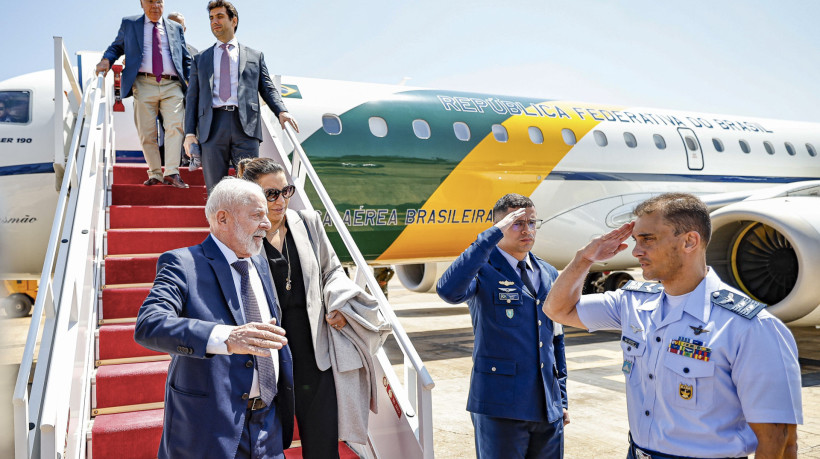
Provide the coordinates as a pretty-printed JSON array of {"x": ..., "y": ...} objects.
[
  {"x": 699, "y": 329},
  {"x": 635, "y": 329},
  {"x": 506, "y": 283},
  {"x": 685, "y": 391}
]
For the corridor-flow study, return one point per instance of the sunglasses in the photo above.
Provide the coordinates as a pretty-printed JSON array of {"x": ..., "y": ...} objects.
[{"x": 272, "y": 194}]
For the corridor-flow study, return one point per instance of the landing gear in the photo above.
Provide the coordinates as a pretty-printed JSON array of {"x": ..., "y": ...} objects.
[
  {"x": 605, "y": 282},
  {"x": 616, "y": 280},
  {"x": 18, "y": 305},
  {"x": 592, "y": 284}
]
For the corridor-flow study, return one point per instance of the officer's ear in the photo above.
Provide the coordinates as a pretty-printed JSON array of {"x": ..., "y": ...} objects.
[{"x": 691, "y": 241}]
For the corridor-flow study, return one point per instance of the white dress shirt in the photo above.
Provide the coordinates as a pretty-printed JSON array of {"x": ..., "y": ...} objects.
[
  {"x": 147, "y": 50},
  {"x": 233, "y": 55},
  {"x": 532, "y": 270},
  {"x": 220, "y": 333}
]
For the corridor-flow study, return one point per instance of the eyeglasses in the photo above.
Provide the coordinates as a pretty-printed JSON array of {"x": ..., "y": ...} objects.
[
  {"x": 531, "y": 225},
  {"x": 272, "y": 194}
]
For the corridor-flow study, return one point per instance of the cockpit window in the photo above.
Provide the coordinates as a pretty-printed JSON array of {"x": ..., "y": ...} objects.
[{"x": 15, "y": 107}]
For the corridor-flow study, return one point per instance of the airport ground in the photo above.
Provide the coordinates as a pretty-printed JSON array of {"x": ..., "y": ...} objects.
[{"x": 443, "y": 336}]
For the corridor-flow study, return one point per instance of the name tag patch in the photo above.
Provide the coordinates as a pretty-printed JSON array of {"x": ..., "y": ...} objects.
[
  {"x": 688, "y": 347},
  {"x": 509, "y": 295},
  {"x": 630, "y": 342}
]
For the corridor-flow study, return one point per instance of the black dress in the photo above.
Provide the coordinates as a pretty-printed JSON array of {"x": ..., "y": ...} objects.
[{"x": 314, "y": 390}]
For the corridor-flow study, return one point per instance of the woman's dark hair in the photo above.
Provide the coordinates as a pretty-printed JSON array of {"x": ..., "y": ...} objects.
[{"x": 254, "y": 168}]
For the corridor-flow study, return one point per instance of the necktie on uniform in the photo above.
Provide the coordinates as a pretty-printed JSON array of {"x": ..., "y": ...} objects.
[
  {"x": 264, "y": 365},
  {"x": 225, "y": 73},
  {"x": 156, "y": 52},
  {"x": 522, "y": 267}
]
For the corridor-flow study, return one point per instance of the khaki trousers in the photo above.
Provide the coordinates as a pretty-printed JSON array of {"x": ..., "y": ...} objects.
[{"x": 150, "y": 99}]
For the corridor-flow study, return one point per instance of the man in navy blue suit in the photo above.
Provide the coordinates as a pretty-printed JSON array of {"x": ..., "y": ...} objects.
[
  {"x": 157, "y": 63},
  {"x": 518, "y": 397},
  {"x": 229, "y": 391}
]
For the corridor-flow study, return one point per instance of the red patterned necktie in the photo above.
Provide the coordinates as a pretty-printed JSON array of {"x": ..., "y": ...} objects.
[
  {"x": 156, "y": 52},
  {"x": 225, "y": 73}
]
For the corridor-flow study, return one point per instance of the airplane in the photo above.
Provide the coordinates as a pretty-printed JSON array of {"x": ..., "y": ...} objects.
[{"x": 415, "y": 173}]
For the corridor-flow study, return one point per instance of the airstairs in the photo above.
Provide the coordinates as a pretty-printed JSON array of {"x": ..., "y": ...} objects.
[{"x": 94, "y": 392}]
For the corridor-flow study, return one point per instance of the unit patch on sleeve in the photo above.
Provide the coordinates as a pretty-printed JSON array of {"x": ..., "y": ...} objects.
[
  {"x": 740, "y": 305},
  {"x": 646, "y": 287}
]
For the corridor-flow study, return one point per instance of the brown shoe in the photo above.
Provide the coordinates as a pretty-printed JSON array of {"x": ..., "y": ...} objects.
[
  {"x": 152, "y": 181},
  {"x": 174, "y": 180}
]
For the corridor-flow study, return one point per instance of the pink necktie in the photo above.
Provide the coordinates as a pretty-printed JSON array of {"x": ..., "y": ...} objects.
[
  {"x": 156, "y": 53},
  {"x": 225, "y": 73}
]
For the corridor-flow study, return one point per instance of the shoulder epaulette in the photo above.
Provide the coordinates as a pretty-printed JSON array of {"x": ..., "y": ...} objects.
[
  {"x": 740, "y": 305},
  {"x": 645, "y": 287}
]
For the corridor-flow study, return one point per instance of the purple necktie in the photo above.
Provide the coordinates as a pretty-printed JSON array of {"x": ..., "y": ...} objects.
[
  {"x": 225, "y": 73},
  {"x": 156, "y": 53}
]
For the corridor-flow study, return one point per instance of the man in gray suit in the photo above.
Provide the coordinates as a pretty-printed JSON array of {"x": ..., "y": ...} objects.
[{"x": 222, "y": 106}]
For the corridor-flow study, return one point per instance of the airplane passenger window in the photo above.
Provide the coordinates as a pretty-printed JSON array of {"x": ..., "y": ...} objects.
[
  {"x": 660, "y": 142},
  {"x": 569, "y": 136},
  {"x": 744, "y": 145},
  {"x": 718, "y": 144},
  {"x": 536, "y": 136},
  {"x": 769, "y": 148},
  {"x": 811, "y": 150},
  {"x": 331, "y": 124},
  {"x": 15, "y": 107},
  {"x": 378, "y": 126},
  {"x": 600, "y": 138},
  {"x": 790, "y": 149},
  {"x": 421, "y": 129},
  {"x": 691, "y": 143},
  {"x": 500, "y": 133},
  {"x": 630, "y": 140},
  {"x": 462, "y": 131}
]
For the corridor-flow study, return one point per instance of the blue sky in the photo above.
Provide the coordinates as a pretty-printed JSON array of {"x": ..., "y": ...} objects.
[{"x": 754, "y": 58}]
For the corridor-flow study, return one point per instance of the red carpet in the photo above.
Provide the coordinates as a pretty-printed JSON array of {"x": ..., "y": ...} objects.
[
  {"x": 121, "y": 303},
  {"x": 144, "y": 222}
]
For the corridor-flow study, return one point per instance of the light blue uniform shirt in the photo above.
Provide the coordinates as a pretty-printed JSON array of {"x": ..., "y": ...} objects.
[{"x": 689, "y": 406}]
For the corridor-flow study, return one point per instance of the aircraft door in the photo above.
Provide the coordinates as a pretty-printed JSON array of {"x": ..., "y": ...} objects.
[{"x": 694, "y": 153}]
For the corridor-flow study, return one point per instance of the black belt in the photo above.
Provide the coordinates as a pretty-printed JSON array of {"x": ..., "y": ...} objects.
[
  {"x": 256, "y": 403},
  {"x": 164, "y": 77},
  {"x": 642, "y": 453},
  {"x": 227, "y": 108}
]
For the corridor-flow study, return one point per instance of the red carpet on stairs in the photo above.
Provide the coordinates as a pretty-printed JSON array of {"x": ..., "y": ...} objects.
[{"x": 143, "y": 222}]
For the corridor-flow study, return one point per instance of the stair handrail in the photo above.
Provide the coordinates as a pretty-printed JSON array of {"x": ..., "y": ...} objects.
[
  {"x": 68, "y": 274},
  {"x": 302, "y": 165}
]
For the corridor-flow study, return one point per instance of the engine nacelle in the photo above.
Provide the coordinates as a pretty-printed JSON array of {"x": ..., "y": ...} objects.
[
  {"x": 420, "y": 277},
  {"x": 770, "y": 249}
]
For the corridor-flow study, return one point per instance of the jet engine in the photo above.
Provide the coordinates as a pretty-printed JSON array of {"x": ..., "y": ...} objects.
[
  {"x": 770, "y": 250},
  {"x": 420, "y": 277}
]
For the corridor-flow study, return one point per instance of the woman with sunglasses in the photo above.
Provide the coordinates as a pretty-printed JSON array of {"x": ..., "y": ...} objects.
[{"x": 298, "y": 279}]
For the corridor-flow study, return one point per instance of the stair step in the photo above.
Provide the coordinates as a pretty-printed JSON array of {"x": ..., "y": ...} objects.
[
  {"x": 157, "y": 195},
  {"x": 121, "y": 303},
  {"x": 157, "y": 240},
  {"x": 133, "y": 435},
  {"x": 344, "y": 452},
  {"x": 117, "y": 342},
  {"x": 130, "y": 270},
  {"x": 137, "y": 173},
  {"x": 130, "y": 384},
  {"x": 157, "y": 217}
]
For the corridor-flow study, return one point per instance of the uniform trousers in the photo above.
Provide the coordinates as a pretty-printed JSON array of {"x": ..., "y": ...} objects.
[
  {"x": 502, "y": 438},
  {"x": 150, "y": 100},
  {"x": 227, "y": 144},
  {"x": 261, "y": 436}
]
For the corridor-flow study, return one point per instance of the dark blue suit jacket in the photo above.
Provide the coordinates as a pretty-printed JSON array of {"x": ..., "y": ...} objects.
[
  {"x": 254, "y": 81},
  {"x": 206, "y": 394},
  {"x": 519, "y": 367},
  {"x": 130, "y": 40}
]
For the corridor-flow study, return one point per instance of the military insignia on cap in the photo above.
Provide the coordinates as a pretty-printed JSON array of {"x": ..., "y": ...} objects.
[
  {"x": 740, "y": 305},
  {"x": 645, "y": 287},
  {"x": 685, "y": 391},
  {"x": 510, "y": 313},
  {"x": 506, "y": 283}
]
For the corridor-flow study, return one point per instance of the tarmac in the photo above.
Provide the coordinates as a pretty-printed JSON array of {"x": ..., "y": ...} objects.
[{"x": 443, "y": 337}]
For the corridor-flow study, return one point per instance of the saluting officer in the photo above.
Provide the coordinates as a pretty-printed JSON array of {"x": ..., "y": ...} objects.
[
  {"x": 518, "y": 397},
  {"x": 709, "y": 372}
]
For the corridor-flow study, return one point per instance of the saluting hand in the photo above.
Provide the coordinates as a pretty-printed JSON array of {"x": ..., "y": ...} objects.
[
  {"x": 510, "y": 218},
  {"x": 256, "y": 338},
  {"x": 604, "y": 247}
]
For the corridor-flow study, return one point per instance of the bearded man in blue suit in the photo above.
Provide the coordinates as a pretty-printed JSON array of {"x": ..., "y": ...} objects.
[
  {"x": 213, "y": 307},
  {"x": 157, "y": 64},
  {"x": 518, "y": 386}
]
